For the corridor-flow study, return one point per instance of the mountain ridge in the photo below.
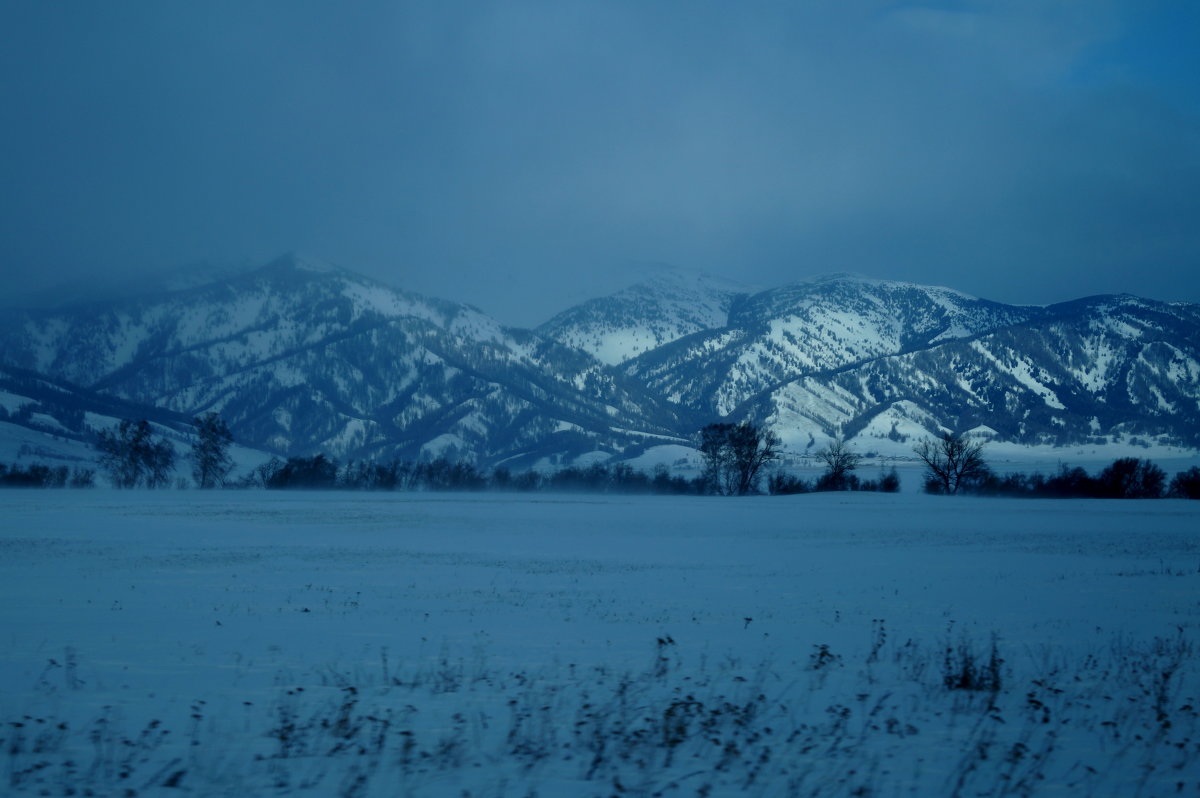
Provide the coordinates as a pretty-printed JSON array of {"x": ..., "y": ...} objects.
[
  {"x": 303, "y": 358},
  {"x": 327, "y": 352}
]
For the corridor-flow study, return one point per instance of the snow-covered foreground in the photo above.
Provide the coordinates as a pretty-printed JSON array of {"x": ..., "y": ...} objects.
[{"x": 379, "y": 645}]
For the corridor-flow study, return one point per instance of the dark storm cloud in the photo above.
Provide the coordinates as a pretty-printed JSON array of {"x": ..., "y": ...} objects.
[{"x": 525, "y": 155}]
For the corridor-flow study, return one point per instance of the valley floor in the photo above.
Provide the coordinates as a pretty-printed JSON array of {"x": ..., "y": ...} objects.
[{"x": 260, "y": 643}]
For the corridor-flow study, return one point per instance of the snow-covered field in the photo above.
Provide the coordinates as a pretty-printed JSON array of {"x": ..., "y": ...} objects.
[{"x": 446, "y": 645}]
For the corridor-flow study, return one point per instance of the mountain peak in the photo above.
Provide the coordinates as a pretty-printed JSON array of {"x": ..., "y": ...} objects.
[{"x": 666, "y": 306}]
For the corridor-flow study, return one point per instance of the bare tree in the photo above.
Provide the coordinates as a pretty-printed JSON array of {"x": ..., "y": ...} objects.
[
  {"x": 839, "y": 462},
  {"x": 1132, "y": 478},
  {"x": 160, "y": 464},
  {"x": 132, "y": 456},
  {"x": 211, "y": 462},
  {"x": 951, "y": 461},
  {"x": 753, "y": 447},
  {"x": 734, "y": 456},
  {"x": 1186, "y": 484},
  {"x": 714, "y": 448}
]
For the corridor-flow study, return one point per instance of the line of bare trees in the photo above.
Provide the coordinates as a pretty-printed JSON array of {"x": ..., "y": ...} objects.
[
  {"x": 133, "y": 456},
  {"x": 39, "y": 475},
  {"x": 318, "y": 472},
  {"x": 840, "y": 466},
  {"x": 736, "y": 458},
  {"x": 955, "y": 464}
]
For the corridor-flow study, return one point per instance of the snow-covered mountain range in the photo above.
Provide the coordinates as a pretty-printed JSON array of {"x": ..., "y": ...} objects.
[{"x": 301, "y": 358}]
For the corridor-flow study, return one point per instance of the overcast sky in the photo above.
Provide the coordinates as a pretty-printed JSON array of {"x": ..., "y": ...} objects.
[{"x": 523, "y": 156}]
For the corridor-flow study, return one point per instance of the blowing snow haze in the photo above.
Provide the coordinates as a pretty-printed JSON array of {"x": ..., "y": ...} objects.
[{"x": 526, "y": 156}]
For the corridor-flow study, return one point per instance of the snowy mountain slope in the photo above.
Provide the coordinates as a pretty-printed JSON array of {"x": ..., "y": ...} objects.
[
  {"x": 778, "y": 335},
  {"x": 260, "y": 315},
  {"x": 1098, "y": 371},
  {"x": 48, "y": 421},
  {"x": 405, "y": 388},
  {"x": 643, "y": 317},
  {"x": 301, "y": 359},
  {"x": 51, "y": 421}
]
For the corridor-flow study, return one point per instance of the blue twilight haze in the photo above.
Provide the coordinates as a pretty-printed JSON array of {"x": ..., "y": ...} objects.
[{"x": 527, "y": 155}]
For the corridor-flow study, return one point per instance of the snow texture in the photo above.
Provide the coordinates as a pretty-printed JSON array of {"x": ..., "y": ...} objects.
[{"x": 248, "y": 643}]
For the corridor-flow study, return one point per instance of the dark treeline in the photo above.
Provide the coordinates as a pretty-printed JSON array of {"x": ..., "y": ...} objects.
[
  {"x": 37, "y": 475},
  {"x": 782, "y": 484},
  {"x": 321, "y": 473},
  {"x": 955, "y": 464},
  {"x": 1125, "y": 478},
  {"x": 735, "y": 461},
  {"x": 840, "y": 465}
]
